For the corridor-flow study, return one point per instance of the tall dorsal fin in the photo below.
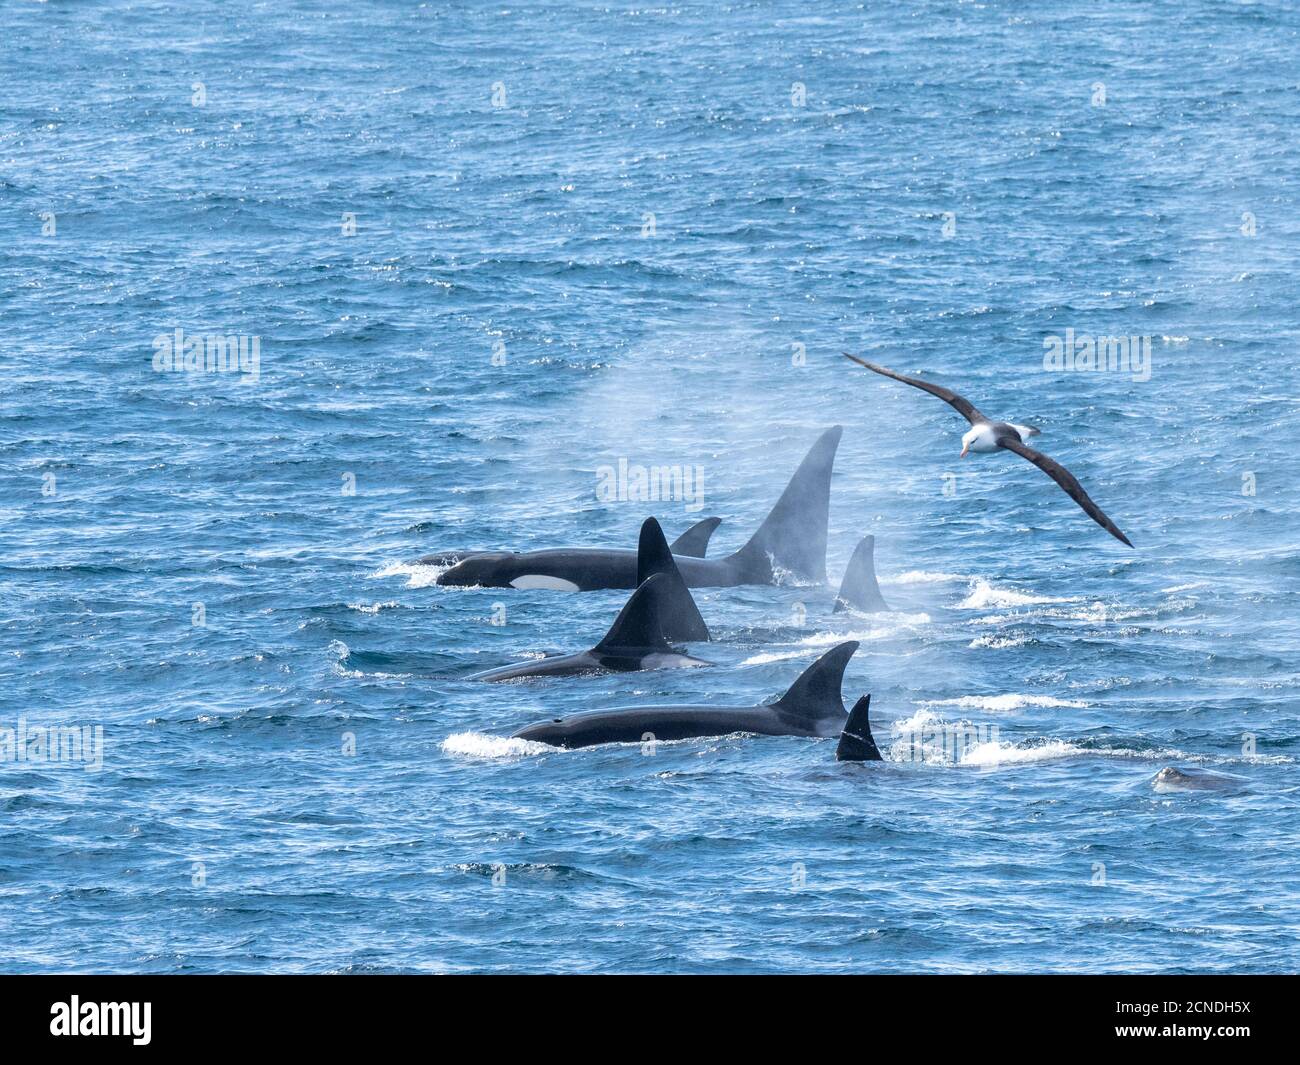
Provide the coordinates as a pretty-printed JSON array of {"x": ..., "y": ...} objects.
[
  {"x": 859, "y": 590},
  {"x": 793, "y": 536},
  {"x": 856, "y": 742},
  {"x": 694, "y": 542},
  {"x": 639, "y": 624},
  {"x": 679, "y": 616},
  {"x": 816, "y": 694}
]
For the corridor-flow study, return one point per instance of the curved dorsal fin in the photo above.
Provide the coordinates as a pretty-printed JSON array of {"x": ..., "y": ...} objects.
[
  {"x": 816, "y": 694},
  {"x": 694, "y": 542},
  {"x": 652, "y": 552},
  {"x": 859, "y": 590},
  {"x": 679, "y": 617},
  {"x": 856, "y": 742}
]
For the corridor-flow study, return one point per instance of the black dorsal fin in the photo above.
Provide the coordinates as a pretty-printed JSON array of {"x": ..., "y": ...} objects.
[
  {"x": 856, "y": 742},
  {"x": 816, "y": 694},
  {"x": 694, "y": 542},
  {"x": 859, "y": 590},
  {"x": 639, "y": 624},
  {"x": 793, "y": 537},
  {"x": 679, "y": 617},
  {"x": 652, "y": 553}
]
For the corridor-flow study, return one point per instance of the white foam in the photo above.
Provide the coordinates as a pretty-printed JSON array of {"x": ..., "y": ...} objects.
[
  {"x": 999, "y": 642},
  {"x": 342, "y": 652},
  {"x": 1096, "y": 613},
  {"x": 1182, "y": 587},
  {"x": 893, "y": 623},
  {"x": 927, "y": 738},
  {"x": 918, "y": 721},
  {"x": 897, "y": 623},
  {"x": 773, "y": 656},
  {"x": 983, "y": 595},
  {"x": 373, "y": 608},
  {"x": 418, "y": 576},
  {"x": 921, "y": 576},
  {"x": 1006, "y": 702},
  {"x": 990, "y": 754},
  {"x": 480, "y": 745}
]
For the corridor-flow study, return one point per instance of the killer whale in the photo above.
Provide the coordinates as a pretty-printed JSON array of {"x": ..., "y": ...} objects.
[
  {"x": 634, "y": 642},
  {"x": 693, "y": 543},
  {"x": 812, "y": 706},
  {"x": 658, "y": 611},
  {"x": 661, "y": 609},
  {"x": 791, "y": 541},
  {"x": 859, "y": 589}
]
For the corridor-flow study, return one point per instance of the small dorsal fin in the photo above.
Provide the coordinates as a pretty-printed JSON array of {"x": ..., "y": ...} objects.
[
  {"x": 639, "y": 623},
  {"x": 816, "y": 694},
  {"x": 859, "y": 590},
  {"x": 679, "y": 617},
  {"x": 856, "y": 742},
  {"x": 694, "y": 542}
]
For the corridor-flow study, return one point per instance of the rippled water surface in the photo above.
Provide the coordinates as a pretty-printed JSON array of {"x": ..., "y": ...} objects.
[{"x": 654, "y": 249}]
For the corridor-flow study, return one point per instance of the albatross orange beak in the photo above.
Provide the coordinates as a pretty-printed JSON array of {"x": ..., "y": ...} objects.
[{"x": 964, "y": 450}]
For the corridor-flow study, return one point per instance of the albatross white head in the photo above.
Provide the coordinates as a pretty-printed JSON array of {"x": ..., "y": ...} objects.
[{"x": 979, "y": 438}]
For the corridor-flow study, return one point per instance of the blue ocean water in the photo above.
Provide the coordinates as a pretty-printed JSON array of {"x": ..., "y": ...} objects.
[{"x": 486, "y": 250}]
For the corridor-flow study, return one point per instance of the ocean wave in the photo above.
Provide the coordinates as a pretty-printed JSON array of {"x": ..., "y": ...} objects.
[
  {"x": 1000, "y": 642},
  {"x": 983, "y": 595},
  {"x": 481, "y": 745},
  {"x": 373, "y": 608},
  {"x": 1096, "y": 613},
  {"x": 996, "y": 753},
  {"x": 898, "y": 623},
  {"x": 342, "y": 653},
  {"x": 921, "y": 576},
  {"x": 768, "y": 657},
  {"x": 1006, "y": 702}
]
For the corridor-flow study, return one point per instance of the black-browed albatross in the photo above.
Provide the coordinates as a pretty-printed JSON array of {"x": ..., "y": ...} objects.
[{"x": 986, "y": 435}]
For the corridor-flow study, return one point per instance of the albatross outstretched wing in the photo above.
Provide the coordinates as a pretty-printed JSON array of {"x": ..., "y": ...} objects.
[
  {"x": 964, "y": 407},
  {"x": 1068, "y": 481}
]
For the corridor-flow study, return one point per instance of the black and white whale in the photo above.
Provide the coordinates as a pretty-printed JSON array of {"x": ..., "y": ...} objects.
[
  {"x": 859, "y": 589},
  {"x": 811, "y": 707},
  {"x": 693, "y": 543},
  {"x": 791, "y": 543},
  {"x": 660, "y": 610},
  {"x": 634, "y": 642}
]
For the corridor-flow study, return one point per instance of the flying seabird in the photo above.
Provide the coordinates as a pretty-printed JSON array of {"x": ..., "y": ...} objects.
[{"x": 986, "y": 435}]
